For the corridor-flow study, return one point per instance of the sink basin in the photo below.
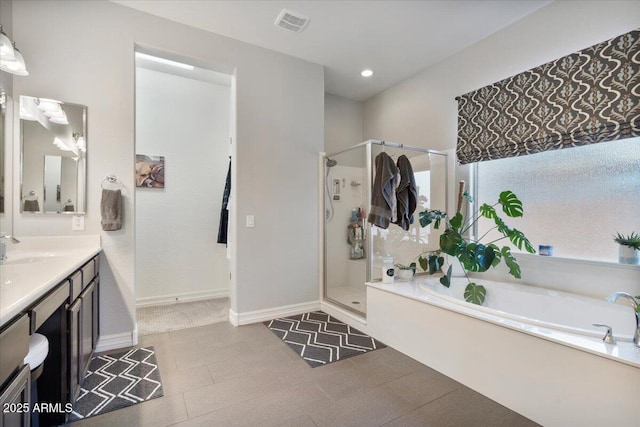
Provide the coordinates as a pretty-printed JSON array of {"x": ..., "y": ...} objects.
[{"x": 29, "y": 257}]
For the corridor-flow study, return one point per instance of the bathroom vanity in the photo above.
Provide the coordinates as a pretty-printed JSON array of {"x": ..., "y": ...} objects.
[{"x": 50, "y": 286}]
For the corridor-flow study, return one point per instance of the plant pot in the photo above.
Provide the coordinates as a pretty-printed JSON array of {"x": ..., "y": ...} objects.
[
  {"x": 628, "y": 255},
  {"x": 405, "y": 273}
]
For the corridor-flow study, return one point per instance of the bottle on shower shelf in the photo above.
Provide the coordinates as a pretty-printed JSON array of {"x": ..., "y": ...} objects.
[{"x": 355, "y": 235}]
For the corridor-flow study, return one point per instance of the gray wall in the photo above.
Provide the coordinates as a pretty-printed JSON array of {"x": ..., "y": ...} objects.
[{"x": 83, "y": 52}]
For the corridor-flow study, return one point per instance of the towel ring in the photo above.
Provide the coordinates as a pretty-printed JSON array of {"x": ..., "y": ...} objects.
[{"x": 111, "y": 179}]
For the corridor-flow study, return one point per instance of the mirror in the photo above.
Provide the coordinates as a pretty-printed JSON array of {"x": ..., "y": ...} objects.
[{"x": 54, "y": 156}]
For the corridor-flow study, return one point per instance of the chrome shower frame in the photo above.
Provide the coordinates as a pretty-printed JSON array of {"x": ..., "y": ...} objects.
[{"x": 368, "y": 188}]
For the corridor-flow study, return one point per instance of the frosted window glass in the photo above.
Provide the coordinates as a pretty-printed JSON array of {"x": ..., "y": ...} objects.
[{"x": 574, "y": 199}]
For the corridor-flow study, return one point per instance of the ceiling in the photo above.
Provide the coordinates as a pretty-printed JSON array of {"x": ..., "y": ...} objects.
[{"x": 395, "y": 39}]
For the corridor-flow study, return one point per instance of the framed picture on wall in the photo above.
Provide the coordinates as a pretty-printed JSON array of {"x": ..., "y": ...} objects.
[{"x": 149, "y": 171}]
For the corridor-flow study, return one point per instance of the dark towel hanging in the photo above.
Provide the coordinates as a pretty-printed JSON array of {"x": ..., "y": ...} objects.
[
  {"x": 224, "y": 213},
  {"x": 406, "y": 194}
]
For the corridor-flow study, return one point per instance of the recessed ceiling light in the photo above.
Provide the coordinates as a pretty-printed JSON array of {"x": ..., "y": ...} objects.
[
  {"x": 165, "y": 61},
  {"x": 366, "y": 73}
]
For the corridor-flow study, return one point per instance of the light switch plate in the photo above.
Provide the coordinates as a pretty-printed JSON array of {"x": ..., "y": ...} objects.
[
  {"x": 77, "y": 223},
  {"x": 251, "y": 221}
]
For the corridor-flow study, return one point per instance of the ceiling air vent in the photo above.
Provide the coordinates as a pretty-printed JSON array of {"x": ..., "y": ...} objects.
[{"x": 291, "y": 21}]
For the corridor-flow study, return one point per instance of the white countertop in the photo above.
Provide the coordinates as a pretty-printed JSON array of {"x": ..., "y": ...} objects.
[
  {"x": 623, "y": 352},
  {"x": 36, "y": 265}
]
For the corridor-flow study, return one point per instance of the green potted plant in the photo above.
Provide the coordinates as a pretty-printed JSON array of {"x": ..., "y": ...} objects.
[
  {"x": 629, "y": 249},
  {"x": 472, "y": 254}
]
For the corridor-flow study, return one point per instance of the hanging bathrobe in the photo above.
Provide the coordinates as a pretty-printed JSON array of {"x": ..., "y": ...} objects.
[
  {"x": 224, "y": 212},
  {"x": 406, "y": 194},
  {"x": 383, "y": 195}
]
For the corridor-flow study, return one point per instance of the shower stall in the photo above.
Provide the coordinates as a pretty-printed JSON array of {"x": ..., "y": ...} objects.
[{"x": 354, "y": 249}]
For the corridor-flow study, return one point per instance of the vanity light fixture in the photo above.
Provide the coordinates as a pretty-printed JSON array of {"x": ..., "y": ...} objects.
[
  {"x": 6, "y": 47},
  {"x": 79, "y": 140},
  {"x": 48, "y": 105},
  {"x": 366, "y": 73},
  {"x": 17, "y": 66},
  {"x": 11, "y": 59},
  {"x": 165, "y": 61},
  {"x": 26, "y": 114}
]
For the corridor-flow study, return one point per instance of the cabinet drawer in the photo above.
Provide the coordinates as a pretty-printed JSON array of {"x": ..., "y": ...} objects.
[
  {"x": 88, "y": 273},
  {"x": 14, "y": 346},
  {"x": 75, "y": 283},
  {"x": 48, "y": 305}
]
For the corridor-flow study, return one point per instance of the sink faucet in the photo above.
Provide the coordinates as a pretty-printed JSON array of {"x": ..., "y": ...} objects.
[
  {"x": 3, "y": 246},
  {"x": 634, "y": 303}
]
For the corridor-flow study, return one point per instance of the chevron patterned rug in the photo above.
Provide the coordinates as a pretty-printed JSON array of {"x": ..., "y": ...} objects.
[
  {"x": 321, "y": 339},
  {"x": 114, "y": 381}
]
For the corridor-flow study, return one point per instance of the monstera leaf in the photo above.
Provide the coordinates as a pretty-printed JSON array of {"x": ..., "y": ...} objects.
[
  {"x": 431, "y": 215},
  {"x": 518, "y": 238},
  {"x": 451, "y": 241},
  {"x": 514, "y": 268},
  {"x": 511, "y": 205},
  {"x": 476, "y": 257},
  {"x": 475, "y": 294}
]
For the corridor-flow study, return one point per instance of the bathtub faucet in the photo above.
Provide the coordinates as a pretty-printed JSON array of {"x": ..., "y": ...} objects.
[{"x": 634, "y": 303}]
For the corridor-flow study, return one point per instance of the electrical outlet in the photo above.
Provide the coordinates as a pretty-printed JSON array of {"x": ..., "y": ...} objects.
[{"x": 77, "y": 223}]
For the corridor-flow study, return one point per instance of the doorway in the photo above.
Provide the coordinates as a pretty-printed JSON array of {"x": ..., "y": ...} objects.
[{"x": 183, "y": 126}]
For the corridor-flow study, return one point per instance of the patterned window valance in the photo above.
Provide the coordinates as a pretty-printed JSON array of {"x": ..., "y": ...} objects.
[{"x": 587, "y": 97}]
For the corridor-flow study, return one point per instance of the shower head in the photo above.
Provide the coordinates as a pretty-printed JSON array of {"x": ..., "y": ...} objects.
[{"x": 331, "y": 163}]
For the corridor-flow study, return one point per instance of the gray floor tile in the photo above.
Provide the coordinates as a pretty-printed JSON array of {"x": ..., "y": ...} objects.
[
  {"x": 423, "y": 385},
  {"x": 278, "y": 407},
  {"x": 160, "y": 412},
  {"x": 211, "y": 419},
  {"x": 177, "y": 381},
  {"x": 374, "y": 408},
  {"x": 227, "y": 393}
]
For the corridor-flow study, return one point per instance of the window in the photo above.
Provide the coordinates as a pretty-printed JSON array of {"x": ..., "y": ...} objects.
[{"x": 574, "y": 199}]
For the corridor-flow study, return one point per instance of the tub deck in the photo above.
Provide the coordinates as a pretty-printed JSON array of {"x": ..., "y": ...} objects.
[{"x": 551, "y": 377}]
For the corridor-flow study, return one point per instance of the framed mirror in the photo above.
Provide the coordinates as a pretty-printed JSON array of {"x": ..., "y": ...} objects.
[{"x": 54, "y": 156}]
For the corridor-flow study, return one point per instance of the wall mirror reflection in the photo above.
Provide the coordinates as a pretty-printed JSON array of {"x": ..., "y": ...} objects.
[{"x": 54, "y": 156}]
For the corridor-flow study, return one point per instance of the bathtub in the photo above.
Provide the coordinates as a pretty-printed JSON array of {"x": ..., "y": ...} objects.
[
  {"x": 532, "y": 350},
  {"x": 546, "y": 309}
]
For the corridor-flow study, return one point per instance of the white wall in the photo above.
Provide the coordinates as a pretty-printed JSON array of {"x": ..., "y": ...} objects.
[
  {"x": 83, "y": 52},
  {"x": 422, "y": 111},
  {"x": 343, "y": 123},
  {"x": 186, "y": 121}
]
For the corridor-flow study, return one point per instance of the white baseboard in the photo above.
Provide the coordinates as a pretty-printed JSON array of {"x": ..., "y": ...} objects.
[
  {"x": 249, "y": 317},
  {"x": 117, "y": 341},
  {"x": 182, "y": 297},
  {"x": 345, "y": 316}
]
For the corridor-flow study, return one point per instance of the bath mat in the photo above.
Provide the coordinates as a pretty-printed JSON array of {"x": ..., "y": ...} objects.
[
  {"x": 321, "y": 339},
  {"x": 115, "y": 381}
]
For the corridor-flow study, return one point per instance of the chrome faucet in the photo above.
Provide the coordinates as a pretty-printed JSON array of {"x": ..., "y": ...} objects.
[
  {"x": 634, "y": 303},
  {"x": 3, "y": 246}
]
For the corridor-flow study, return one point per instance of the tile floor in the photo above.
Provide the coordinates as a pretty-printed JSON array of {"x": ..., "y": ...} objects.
[{"x": 218, "y": 375}]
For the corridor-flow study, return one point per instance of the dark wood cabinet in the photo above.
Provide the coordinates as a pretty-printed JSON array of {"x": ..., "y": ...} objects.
[
  {"x": 15, "y": 400},
  {"x": 75, "y": 344},
  {"x": 84, "y": 327},
  {"x": 15, "y": 376}
]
